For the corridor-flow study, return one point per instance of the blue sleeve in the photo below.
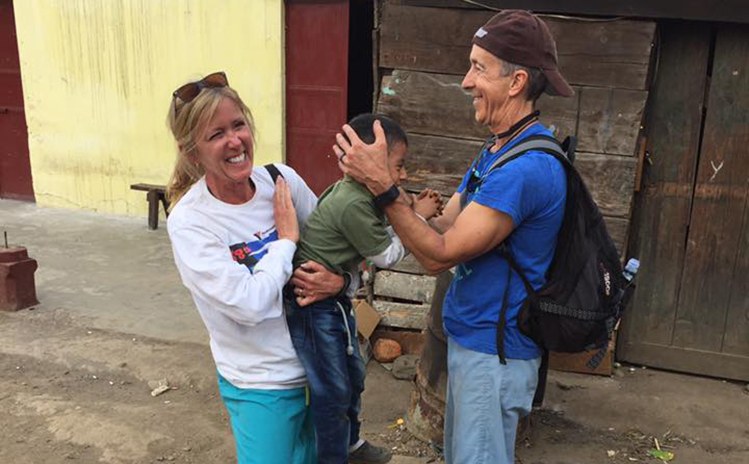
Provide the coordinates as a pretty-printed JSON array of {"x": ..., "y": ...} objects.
[
  {"x": 522, "y": 187},
  {"x": 464, "y": 182}
]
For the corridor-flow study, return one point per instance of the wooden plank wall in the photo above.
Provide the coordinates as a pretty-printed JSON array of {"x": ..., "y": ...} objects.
[
  {"x": 422, "y": 58},
  {"x": 712, "y": 310},
  {"x": 423, "y": 55},
  {"x": 691, "y": 219}
]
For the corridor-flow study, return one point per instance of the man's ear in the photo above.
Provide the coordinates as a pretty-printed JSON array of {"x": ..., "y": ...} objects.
[{"x": 519, "y": 82}]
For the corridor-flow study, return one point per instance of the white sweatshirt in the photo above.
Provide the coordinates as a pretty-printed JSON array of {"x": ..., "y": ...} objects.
[{"x": 231, "y": 260}]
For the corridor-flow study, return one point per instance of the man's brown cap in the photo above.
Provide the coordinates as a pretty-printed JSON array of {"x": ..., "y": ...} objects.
[{"x": 520, "y": 37}]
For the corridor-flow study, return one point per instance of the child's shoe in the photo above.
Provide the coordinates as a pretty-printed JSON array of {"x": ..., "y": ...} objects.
[{"x": 368, "y": 453}]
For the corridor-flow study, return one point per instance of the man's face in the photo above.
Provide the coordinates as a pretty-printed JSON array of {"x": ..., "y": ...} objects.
[
  {"x": 490, "y": 90},
  {"x": 396, "y": 162}
]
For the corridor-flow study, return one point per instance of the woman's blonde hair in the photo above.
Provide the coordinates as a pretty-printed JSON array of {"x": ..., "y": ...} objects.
[{"x": 187, "y": 121}]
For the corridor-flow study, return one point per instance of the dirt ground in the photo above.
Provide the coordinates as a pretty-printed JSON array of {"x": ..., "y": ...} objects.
[
  {"x": 78, "y": 371},
  {"x": 71, "y": 393},
  {"x": 75, "y": 394}
]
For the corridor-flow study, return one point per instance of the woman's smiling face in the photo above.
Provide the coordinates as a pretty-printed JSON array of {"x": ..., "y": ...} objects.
[{"x": 224, "y": 150}]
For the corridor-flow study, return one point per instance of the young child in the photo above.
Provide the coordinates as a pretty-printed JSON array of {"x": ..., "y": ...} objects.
[{"x": 341, "y": 232}]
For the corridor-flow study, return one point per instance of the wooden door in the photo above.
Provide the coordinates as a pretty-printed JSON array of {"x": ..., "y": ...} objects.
[
  {"x": 317, "y": 38},
  {"x": 691, "y": 308},
  {"x": 15, "y": 169}
]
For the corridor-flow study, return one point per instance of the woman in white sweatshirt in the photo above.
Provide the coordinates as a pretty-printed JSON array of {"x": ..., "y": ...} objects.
[{"x": 234, "y": 231}]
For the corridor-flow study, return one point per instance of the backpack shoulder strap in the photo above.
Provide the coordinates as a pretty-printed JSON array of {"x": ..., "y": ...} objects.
[
  {"x": 504, "y": 252},
  {"x": 542, "y": 143},
  {"x": 548, "y": 145},
  {"x": 273, "y": 171},
  {"x": 563, "y": 152},
  {"x": 545, "y": 144}
]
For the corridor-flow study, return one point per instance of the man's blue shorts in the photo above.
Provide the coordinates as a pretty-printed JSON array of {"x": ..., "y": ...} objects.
[{"x": 270, "y": 426}]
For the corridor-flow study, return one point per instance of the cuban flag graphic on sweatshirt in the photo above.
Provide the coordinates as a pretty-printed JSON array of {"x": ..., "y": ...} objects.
[{"x": 249, "y": 253}]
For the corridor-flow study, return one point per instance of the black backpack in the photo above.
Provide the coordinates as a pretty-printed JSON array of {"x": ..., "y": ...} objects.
[{"x": 585, "y": 292}]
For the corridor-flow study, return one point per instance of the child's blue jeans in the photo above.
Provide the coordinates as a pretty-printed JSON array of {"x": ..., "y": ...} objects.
[{"x": 324, "y": 336}]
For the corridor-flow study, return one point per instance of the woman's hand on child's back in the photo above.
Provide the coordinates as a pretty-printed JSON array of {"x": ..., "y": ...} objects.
[
  {"x": 428, "y": 204},
  {"x": 284, "y": 213},
  {"x": 313, "y": 282}
]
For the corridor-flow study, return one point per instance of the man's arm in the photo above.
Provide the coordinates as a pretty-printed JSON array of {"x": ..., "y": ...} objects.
[
  {"x": 443, "y": 222},
  {"x": 467, "y": 234},
  {"x": 475, "y": 231}
]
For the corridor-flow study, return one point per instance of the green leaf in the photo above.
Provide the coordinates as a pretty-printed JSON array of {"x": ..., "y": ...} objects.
[{"x": 662, "y": 455}]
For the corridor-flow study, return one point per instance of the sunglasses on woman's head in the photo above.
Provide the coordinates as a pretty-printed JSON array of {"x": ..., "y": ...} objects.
[{"x": 189, "y": 91}]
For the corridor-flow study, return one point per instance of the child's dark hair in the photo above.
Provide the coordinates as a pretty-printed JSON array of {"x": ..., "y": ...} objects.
[{"x": 362, "y": 125}]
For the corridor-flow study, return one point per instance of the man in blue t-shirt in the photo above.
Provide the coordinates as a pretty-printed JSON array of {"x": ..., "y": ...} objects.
[{"x": 521, "y": 205}]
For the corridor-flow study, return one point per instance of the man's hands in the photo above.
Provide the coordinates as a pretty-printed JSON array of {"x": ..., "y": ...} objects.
[
  {"x": 428, "y": 204},
  {"x": 284, "y": 213},
  {"x": 365, "y": 163},
  {"x": 313, "y": 282}
]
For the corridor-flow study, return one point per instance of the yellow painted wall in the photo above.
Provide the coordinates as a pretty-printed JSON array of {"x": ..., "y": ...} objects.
[{"x": 98, "y": 77}]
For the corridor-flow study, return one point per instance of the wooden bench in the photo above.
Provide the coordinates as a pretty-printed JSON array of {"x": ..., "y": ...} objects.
[{"x": 154, "y": 195}]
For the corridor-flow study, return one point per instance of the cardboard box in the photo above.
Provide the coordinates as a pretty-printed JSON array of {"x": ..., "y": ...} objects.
[{"x": 367, "y": 319}]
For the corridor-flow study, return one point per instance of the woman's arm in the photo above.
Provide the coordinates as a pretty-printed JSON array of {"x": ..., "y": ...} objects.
[
  {"x": 208, "y": 269},
  {"x": 314, "y": 282}
]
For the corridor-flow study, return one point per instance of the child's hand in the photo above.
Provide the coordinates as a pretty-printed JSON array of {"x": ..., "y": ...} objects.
[{"x": 428, "y": 204}]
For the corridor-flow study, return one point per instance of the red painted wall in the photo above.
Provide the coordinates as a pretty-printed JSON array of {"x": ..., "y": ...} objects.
[
  {"x": 15, "y": 169},
  {"x": 316, "y": 86}
]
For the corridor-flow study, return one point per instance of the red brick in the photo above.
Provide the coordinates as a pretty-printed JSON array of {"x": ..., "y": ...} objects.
[{"x": 386, "y": 350}]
